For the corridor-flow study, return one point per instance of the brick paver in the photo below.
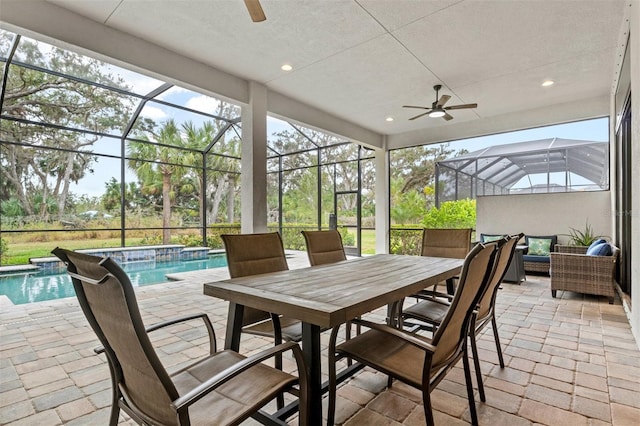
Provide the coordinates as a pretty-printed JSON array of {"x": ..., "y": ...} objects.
[{"x": 570, "y": 360}]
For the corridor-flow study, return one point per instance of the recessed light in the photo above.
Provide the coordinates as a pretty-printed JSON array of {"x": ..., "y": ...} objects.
[
  {"x": 547, "y": 83},
  {"x": 286, "y": 67},
  {"x": 389, "y": 118}
]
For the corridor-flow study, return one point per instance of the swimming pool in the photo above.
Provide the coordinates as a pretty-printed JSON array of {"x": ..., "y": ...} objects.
[{"x": 37, "y": 287}]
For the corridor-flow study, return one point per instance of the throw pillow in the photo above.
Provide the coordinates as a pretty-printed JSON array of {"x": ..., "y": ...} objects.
[
  {"x": 602, "y": 249},
  {"x": 539, "y": 247},
  {"x": 553, "y": 238},
  {"x": 488, "y": 238},
  {"x": 596, "y": 242}
]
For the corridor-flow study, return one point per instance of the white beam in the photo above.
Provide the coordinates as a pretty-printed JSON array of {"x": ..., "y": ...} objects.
[
  {"x": 253, "y": 179},
  {"x": 290, "y": 109},
  {"x": 556, "y": 114}
]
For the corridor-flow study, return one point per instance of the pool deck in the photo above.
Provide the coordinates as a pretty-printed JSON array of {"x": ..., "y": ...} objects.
[{"x": 569, "y": 361}]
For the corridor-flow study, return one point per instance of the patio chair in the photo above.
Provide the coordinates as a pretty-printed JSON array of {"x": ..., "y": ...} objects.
[
  {"x": 537, "y": 254},
  {"x": 584, "y": 273},
  {"x": 432, "y": 310},
  {"x": 324, "y": 247},
  {"x": 416, "y": 360},
  {"x": 452, "y": 243},
  {"x": 220, "y": 388},
  {"x": 260, "y": 253}
]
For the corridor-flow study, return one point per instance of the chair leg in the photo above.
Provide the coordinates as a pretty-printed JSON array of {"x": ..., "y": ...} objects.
[
  {"x": 497, "y": 339},
  {"x": 467, "y": 378},
  {"x": 553, "y": 293},
  {"x": 115, "y": 395},
  {"x": 476, "y": 364},
  {"x": 278, "y": 365},
  {"x": 428, "y": 410},
  {"x": 115, "y": 410}
]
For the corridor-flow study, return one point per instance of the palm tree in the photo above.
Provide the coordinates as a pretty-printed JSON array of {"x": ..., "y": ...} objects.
[{"x": 164, "y": 161}]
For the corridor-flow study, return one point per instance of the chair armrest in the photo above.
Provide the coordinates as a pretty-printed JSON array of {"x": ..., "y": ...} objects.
[
  {"x": 593, "y": 266},
  {"x": 562, "y": 248},
  {"x": 178, "y": 320},
  {"x": 410, "y": 338},
  {"x": 229, "y": 373}
]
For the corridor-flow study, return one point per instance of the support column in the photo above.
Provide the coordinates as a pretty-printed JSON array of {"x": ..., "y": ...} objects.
[
  {"x": 382, "y": 199},
  {"x": 253, "y": 180}
]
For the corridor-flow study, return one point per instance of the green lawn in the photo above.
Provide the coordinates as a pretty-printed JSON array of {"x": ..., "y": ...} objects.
[{"x": 20, "y": 253}]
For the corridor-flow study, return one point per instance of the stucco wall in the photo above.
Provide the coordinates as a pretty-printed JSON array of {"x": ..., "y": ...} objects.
[{"x": 545, "y": 214}]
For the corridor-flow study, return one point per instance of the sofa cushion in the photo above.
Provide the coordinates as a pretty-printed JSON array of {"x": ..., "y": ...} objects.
[
  {"x": 602, "y": 249},
  {"x": 539, "y": 259},
  {"x": 539, "y": 246}
]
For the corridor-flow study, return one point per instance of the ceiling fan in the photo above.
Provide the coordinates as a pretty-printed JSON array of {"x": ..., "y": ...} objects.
[
  {"x": 255, "y": 10},
  {"x": 437, "y": 108}
]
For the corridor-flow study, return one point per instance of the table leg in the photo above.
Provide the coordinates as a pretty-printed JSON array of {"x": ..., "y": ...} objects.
[
  {"x": 311, "y": 350},
  {"x": 234, "y": 327},
  {"x": 451, "y": 286}
]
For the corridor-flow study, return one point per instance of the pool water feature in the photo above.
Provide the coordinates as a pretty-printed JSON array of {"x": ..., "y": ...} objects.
[{"x": 31, "y": 287}]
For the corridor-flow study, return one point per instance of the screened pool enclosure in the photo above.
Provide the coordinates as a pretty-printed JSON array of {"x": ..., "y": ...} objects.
[
  {"x": 104, "y": 156},
  {"x": 540, "y": 166}
]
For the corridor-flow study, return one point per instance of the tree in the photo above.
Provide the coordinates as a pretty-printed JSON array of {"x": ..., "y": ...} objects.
[
  {"x": 159, "y": 165},
  {"x": 452, "y": 214},
  {"x": 34, "y": 96},
  {"x": 413, "y": 180}
]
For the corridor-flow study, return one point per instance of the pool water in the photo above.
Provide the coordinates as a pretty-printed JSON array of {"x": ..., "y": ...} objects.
[{"x": 37, "y": 287}]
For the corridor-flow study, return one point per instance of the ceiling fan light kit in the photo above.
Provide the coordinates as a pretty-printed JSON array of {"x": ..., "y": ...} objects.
[{"x": 438, "y": 109}]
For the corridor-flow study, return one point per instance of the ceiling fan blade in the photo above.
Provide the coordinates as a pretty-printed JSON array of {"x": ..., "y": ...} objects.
[
  {"x": 420, "y": 115},
  {"x": 413, "y": 106},
  {"x": 443, "y": 100},
  {"x": 447, "y": 117},
  {"x": 465, "y": 106},
  {"x": 255, "y": 10}
]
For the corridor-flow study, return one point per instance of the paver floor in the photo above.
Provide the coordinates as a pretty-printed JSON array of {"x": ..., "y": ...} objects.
[{"x": 569, "y": 361}]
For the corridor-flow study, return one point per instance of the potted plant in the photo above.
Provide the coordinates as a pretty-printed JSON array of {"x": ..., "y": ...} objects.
[
  {"x": 583, "y": 237},
  {"x": 579, "y": 240}
]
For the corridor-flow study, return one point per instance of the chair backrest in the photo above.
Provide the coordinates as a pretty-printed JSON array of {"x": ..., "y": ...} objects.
[
  {"x": 477, "y": 270},
  {"x": 506, "y": 249},
  {"x": 107, "y": 299},
  {"x": 324, "y": 247},
  {"x": 253, "y": 254},
  {"x": 454, "y": 243}
]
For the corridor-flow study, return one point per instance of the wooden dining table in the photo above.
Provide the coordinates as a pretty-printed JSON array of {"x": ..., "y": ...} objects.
[{"x": 326, "y": 296}]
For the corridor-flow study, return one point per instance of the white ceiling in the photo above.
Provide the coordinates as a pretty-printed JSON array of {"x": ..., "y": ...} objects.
[{"x": 363, "y": 59}]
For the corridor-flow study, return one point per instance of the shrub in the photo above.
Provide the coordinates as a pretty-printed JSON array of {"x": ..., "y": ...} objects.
[
  {"x": 4, "y": 247},
  {"x": 452, "y": 214},
  {"x": 405, "y": 241},
  {"x": 151, "y": 240},
  {"x": 214, "y": 231},
  {"x": 189, "y": 240}
]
